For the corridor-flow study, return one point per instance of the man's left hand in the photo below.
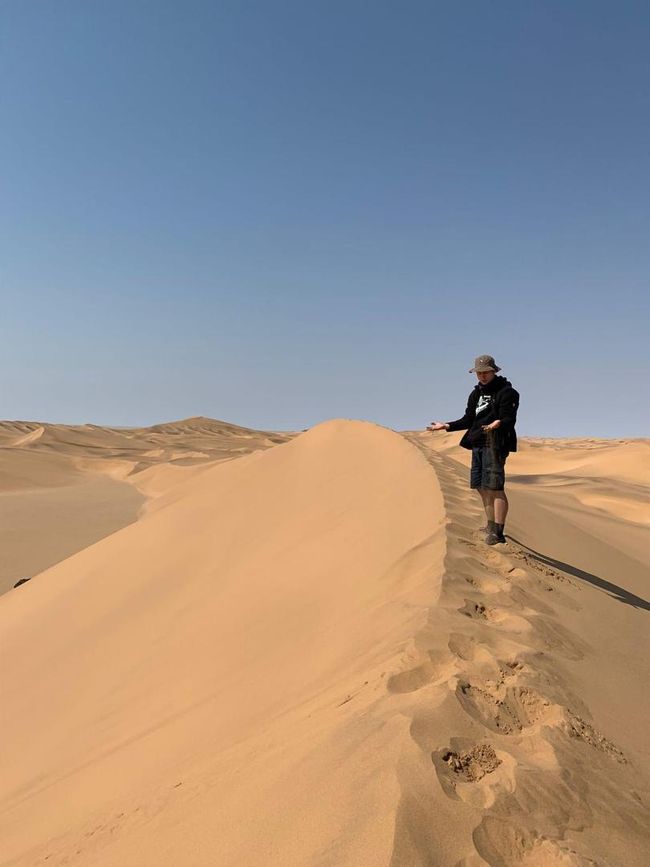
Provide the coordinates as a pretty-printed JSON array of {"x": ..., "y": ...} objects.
[{"x": 493, "y": 426}]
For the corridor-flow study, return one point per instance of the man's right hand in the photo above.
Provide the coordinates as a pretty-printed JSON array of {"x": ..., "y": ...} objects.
[{"x": 437, "y": 425}]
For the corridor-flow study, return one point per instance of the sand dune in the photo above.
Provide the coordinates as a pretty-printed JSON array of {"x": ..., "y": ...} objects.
[
  {"x": 64, "y": 487},
  {"x": 307, "y": 656},
  {"x": 28, "y": 438},
  {"x": 246, "y": 622},
  {"x": 551, "y": 667},
  {"x": 592, "y": 478}
]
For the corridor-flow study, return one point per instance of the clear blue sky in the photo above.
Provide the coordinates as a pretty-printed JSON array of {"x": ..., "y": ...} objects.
[{"x": 279, "y": 211}]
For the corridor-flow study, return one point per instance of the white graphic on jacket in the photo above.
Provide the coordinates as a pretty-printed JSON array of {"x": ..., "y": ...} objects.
[{"x": 483, "y": 404}]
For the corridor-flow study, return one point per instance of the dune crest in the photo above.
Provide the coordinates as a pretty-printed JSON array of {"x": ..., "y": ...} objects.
[
  {"x": 308, "y": 656},
  {"x": 502, "y": 711},
  {"x": 249, "y": 622}
]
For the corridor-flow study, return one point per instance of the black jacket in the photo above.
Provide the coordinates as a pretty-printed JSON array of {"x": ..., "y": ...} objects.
[{"x": 486, "y": 403}]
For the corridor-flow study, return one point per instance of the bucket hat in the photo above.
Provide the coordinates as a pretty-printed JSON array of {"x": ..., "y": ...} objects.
[{"x": 484, "y": 363}]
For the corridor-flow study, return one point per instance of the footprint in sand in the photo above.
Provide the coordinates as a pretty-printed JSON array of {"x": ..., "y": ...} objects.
[
  {"x": 472, "y": 765},
  {"x": 512, "y": 709},
  {"x": 469, "y": 649},
  {"x": 487, "y": 585},
  {"x": 497, "y": 616},
  {"x": 511, "y": 667},
  {"x": 476, "y": 610},
  {"x": 474, "y": 773},
  {"x": 437, "y": 669},
  {"x": 487, "y": 709},
  {"x": 501, "y": 562},
  {"x": 501, "y": 841},
  {"x": 506, "y": 711}
]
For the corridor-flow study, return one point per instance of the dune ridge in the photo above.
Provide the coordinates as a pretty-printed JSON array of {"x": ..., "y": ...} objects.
[
  {"x": 248, "y": 622},
  {"x": 529, "y": 771},
  {"x": 307, "y": 656},
  {"x": 180, "y": 441}
]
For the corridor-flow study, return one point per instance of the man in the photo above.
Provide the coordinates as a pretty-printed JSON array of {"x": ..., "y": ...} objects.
[{"x": 489, "y": 425}]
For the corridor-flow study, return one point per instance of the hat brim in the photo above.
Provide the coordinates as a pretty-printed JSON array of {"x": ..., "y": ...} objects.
[{"x": 485, "y": 370}]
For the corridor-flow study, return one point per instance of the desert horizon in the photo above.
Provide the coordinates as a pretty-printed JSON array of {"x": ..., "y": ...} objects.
[
  {"x": 389, "y": 608},
  {"x": 243, "y": 647}
]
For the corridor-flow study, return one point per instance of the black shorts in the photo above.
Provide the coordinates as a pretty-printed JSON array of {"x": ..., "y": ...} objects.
[{"x": 488, "y": 469}]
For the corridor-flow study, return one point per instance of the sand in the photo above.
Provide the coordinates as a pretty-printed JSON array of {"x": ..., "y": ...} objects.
[
  {"x": 64, "y": 487},
  {"x": 297, "y": 650}
]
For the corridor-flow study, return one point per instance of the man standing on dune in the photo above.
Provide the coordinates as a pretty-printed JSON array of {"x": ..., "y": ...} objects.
[{"x": 489, "y": 425}]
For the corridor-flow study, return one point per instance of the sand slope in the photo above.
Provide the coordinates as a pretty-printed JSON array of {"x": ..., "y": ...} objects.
[
  {"x": 548, "y": 666},
  {"x": 220, "y": 666},
  {"x": 64, "y": 487},
  {"x": 307, "y": 656}
]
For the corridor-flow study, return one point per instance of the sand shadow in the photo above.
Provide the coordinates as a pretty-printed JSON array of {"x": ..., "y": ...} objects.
[{"x": 613, "y": 590}]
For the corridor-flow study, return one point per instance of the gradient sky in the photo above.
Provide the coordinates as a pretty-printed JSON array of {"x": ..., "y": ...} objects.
[{"x": 279, "y": 212}]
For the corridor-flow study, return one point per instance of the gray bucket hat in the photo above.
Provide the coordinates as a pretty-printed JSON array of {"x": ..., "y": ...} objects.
[{"x": 483, "y": 363}]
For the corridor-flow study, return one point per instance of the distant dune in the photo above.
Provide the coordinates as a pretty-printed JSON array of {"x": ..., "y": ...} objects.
[
  {"x": 64, "y": 487},
  {"x": 274, "y": 649}
]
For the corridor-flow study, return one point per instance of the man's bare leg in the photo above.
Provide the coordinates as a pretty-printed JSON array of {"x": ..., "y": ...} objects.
[
  {"x": 500, "y": 506},
  {"x": 496, "y": 509},
  {"x": 487, "y": 497}
]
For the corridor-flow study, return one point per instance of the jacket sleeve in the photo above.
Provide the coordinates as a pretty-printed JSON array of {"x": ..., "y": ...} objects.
[
  {"x": 508, "y": 406},
  {"x": 465, "y": 422}
]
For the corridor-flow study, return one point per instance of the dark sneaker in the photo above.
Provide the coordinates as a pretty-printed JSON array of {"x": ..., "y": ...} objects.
[{"x": 494, "y": 534}]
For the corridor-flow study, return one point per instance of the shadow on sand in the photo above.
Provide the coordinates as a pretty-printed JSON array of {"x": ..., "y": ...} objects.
[{"x": 613, "y": 589}]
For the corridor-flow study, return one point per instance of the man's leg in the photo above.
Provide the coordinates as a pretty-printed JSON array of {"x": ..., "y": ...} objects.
[
  {"x": 477, "y": 483},
  {"x": 500, "y": 507},
  {"x": 494, "y": 481},
  {"x": 487, "y": 498}
]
